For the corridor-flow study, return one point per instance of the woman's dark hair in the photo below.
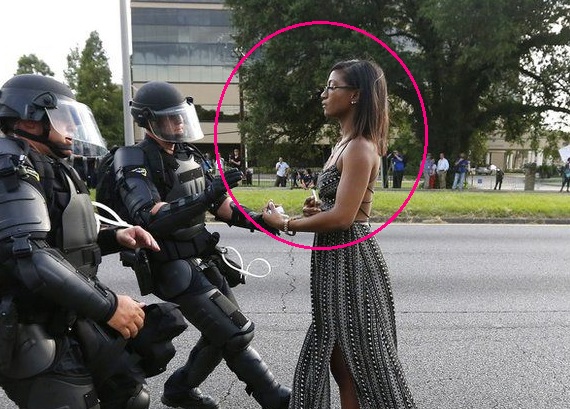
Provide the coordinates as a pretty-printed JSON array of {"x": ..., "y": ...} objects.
[{"x": 371, "y": 120}]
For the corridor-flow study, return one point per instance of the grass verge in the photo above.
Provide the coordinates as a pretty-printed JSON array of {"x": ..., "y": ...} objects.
[{"x": 431, "y": 204}]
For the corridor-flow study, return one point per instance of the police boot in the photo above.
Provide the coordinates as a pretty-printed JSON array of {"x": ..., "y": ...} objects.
[
  {"x": 250, "y": 368},
  {"x": 181, "y": 389}
]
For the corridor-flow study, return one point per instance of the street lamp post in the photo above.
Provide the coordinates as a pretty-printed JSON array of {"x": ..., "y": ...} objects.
[
  {"x": 125, "y": 54},
  {"x": 243, "y": 147}
]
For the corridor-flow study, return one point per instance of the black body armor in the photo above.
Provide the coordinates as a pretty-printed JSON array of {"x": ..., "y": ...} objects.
[
  {"x": 30, "y": 238},
  {"x": 184, "y": 273}
]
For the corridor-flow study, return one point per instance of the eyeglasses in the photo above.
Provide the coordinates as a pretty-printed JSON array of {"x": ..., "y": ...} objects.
[{"x": 328, "y": 88}]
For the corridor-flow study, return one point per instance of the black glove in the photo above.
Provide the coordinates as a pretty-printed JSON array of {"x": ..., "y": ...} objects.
[
  {"x": 258, "y": 217},
  {"x": 217, "y": 189},
  {"x": 238, "y": 219}
]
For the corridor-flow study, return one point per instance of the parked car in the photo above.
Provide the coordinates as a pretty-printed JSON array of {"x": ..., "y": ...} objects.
[{"x": 483, "y": 170}]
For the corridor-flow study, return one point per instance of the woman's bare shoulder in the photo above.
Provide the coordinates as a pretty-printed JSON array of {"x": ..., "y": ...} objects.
[{"x": 362, "y": 148}]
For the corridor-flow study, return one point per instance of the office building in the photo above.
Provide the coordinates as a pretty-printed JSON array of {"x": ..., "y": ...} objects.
[{"x": 189, "y": 44}]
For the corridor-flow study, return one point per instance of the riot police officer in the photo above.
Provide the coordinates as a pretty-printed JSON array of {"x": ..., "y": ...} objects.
[
  {"x": 165, "y": 190},
  {"x": 56, "y": 317}
]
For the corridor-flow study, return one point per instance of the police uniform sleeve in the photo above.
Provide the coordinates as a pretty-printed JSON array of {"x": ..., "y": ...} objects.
[
  {"x": 139, "y": 194},
  {"x": 31, "y": 261},
  {"x": 107, "y": 241}
]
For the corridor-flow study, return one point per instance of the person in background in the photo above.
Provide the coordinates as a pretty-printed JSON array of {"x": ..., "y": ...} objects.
[
  {"x": 307, "y": 181},
  {"x": 219, "y": 169},
  {"x": 282, "y": 170},
  {"x": 428, "y": 165},
  {"x": 566, "y": 176},
  {"x": 207, "y": 163},
  {"x": 499, "y": 178},
  {"x": 460, "y": 169},
  {"x": 353, "y": 329},
  {"x": 442, "y": 168},
  {"x": 433, "y": 175},
  {"x": 249, "y": 176},
  {"x": 235, "y": 161},
  {"x": 398, "y": 167},
  {"x": 296, "y": 177}
]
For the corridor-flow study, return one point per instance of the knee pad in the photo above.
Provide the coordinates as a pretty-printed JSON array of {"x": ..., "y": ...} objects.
[
  {"x": 35, "y": 352},
  {"x": 52, "y": 392},
  {"x": 217, "y": 318},
  {"x": 140, "y": 399},
  {"x": 173, "y": 278}
]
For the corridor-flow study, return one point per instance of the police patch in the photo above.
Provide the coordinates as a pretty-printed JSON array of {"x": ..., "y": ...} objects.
[
  {"x": 140, "y": 171},
  {"x": 29, "y": 171}
]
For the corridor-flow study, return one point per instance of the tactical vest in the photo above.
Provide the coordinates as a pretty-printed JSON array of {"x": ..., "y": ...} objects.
[
  {"x": 74, "y": 228},
  {"x": 183, "y": 175}
]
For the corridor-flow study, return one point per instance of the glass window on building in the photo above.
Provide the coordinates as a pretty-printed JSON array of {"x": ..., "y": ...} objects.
[{"x": 182, "y": 44}]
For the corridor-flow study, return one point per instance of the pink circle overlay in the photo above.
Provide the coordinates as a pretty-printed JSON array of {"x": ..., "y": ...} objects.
[{"x": 420, "y": 171}]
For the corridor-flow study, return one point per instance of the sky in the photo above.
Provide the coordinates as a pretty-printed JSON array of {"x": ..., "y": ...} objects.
[{"x": 50, "y": 29}]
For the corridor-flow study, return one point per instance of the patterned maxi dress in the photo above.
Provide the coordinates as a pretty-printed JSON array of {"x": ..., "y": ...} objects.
[{"x": 352, "y": 306}]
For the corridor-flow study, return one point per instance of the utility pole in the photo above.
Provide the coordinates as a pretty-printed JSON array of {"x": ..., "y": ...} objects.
[{"x": 126, "y": 58}]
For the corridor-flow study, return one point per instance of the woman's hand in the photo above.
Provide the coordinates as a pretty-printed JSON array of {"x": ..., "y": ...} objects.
[{"x": 311, "y": 206}]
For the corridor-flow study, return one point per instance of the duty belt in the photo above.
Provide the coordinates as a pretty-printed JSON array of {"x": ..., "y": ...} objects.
[{"x": 192, "y": 245}]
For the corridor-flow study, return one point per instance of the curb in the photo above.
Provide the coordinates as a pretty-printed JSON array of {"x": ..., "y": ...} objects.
[
  {"x": 475, "y": 220},
  {"x": 459, "y": 220}
]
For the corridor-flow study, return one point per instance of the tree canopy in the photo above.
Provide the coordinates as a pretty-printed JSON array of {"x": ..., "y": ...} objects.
[
  {"x": 482, "y": 66},
  {"x": 89, "y": 75},
  {"x": 31, "y": 64}
]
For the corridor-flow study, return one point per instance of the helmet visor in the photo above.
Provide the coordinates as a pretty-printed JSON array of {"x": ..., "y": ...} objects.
[
  {"x": 176, "y": 124},
  {"x": 75, "y": 120}
]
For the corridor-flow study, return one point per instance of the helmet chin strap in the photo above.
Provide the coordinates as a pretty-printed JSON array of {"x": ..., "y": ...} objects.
[{"x": 56, "y": 148}]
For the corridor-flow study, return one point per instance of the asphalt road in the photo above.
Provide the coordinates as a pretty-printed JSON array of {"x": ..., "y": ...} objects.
[{"x": 483, "y": 314}]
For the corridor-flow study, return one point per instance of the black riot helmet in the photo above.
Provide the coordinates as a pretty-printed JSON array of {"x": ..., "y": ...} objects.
[
  {"x": 161, "y": 109},
  {"x": 43, "y": 99}
]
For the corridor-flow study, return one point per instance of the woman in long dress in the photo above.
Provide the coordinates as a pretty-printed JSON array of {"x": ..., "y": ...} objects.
[{"x": 353, "y": 332}]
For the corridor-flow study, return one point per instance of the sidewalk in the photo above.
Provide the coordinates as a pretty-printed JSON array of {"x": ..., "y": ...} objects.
[
  {"x": 513, "y": 181},
  {"x": 485, "y": 184}
]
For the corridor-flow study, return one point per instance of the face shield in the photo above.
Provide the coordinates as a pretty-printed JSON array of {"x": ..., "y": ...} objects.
[
  {"x": 176, "y": 124},
  {"x": 75, "y": 120}
]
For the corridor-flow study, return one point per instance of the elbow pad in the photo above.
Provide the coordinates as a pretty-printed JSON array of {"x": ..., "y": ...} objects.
[
  {"x": 138, "y": 197},
  {"x": 47, "y": 273},
  {"x": 177, "y": 214},
  {"x": 138, "y": 194}
]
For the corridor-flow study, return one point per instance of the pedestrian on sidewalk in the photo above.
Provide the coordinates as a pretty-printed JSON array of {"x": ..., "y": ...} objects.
[
  {"x": 566, "y": 176},
  {"x": 499, "y": 178},
  {"x": 442, "y": 168},
  {"x": 460, "y": 169},
  {"x": 281, "y": 172},
  {"x": 428, "y": 171}
]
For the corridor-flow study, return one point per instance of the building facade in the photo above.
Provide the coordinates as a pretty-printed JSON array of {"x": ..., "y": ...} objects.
[{"x": 189, "y": 44}]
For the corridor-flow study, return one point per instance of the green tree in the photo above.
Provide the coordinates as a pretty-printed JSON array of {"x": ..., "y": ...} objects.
[
  {"x": 73, "y": 64},
  {"x": 89, "y": 75},
  {"x": 482, "y": 66},
  {"x": 31, "y": 64}
]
